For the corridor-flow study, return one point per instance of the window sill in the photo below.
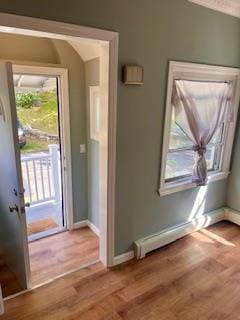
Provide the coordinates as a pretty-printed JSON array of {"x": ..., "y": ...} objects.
[{"x": 174, "y": 187}]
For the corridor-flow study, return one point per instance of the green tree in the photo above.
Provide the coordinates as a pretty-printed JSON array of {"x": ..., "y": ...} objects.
[{"x": 25, "y": 99}]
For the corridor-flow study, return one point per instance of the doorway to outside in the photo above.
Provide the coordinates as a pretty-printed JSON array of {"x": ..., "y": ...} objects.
[
  {"x": 14, "y": 217},
  {"x": 39, "y": 134},
  {"x": 55, "y": 247}
]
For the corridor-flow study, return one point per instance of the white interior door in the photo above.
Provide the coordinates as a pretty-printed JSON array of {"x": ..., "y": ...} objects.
[{"x": 13, "y": 230}]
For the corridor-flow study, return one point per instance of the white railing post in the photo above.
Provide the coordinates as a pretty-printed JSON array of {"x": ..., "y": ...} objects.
[{"x": 55, "y": 166}]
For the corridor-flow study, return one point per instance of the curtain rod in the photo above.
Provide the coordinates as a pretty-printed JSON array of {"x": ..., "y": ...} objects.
[{"x": 209, "y": 81}]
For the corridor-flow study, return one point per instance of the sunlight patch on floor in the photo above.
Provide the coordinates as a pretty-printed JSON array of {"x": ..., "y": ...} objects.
[
  {"x": 210, "y": 237},
  {"x": 217, "y": 238}
]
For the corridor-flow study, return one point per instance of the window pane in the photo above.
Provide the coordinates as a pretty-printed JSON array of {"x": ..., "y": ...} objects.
[
  {"x": 217, "y": 138},
  {"x": 179, "y": 164},
  {"x": 178, "y": 138},
  {"x": 213, "y": 158}
]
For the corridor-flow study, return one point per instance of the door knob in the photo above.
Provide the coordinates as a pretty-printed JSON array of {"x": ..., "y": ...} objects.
[
  {"x": 27, "y": 204},
  {"x": 14, "y": 208}
]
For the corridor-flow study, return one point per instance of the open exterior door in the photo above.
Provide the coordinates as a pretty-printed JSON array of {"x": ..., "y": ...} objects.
[{"x": 13, "y": 230}]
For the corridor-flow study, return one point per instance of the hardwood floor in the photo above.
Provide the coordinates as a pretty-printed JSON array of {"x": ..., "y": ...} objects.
[
  {"x": 195, "y": 278},
  {"x": 8, "y": 281},
  {"x": 61, "y": 253}
]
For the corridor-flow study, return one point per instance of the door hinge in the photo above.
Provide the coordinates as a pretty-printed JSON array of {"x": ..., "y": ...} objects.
[{"x": 21, "y": 194}]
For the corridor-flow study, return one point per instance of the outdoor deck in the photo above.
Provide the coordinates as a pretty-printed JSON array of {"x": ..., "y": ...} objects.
[{"x": 42, "y": 183}]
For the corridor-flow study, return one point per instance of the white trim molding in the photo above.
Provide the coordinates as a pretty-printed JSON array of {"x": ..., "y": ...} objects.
[
  {"x": 80, "y": 224},
  {"x": 61, "y": 75},
  {"x": 12, "y": 23},
  {"x": 94, "y": 228},
  {"x": 230, "y": 7},
  {"x": 232, "y": 216},
  {"x": 123, "y": 258},
  {"x": 94, "y": 114},
  {"x": 86, "y": 223},
  {"x": 199, "y": 72},
  {"x": 108, "y": 42},
  {"x": 167, "y": 236}
]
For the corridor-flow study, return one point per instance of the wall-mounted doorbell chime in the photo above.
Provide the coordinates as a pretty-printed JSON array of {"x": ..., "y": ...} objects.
[{"x": 132, "y": 74}]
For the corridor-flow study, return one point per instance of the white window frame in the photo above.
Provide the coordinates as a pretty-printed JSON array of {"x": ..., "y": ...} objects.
[
  {"x": 201, "y": 72},
  {"x": 94, "y": 92}
]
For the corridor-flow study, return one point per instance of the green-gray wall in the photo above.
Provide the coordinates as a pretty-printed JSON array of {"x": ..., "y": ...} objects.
[
  {"x": 58, "y": 53},
  {"x": 92, "y": 79},
  {"x": 151, "y": 33}
]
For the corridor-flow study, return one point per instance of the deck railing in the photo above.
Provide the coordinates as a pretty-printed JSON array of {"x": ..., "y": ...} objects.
[{"x": 42, "y": 176}]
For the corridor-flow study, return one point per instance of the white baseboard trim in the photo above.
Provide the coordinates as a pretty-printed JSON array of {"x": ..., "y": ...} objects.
[
  {"x": 232, "y": 216},
  {"x": 169, "y": 235},
  {"x": 94, "y": 228},
  {"x": 86, "y": 223},
  {"x": 80, "y": 224},
  {"x": 123, "y": 258}
]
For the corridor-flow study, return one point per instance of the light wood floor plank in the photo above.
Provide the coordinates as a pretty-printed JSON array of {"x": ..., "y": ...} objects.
[
  {"x": 61, "y": 253},
  {"x": 195, "y": 278}
]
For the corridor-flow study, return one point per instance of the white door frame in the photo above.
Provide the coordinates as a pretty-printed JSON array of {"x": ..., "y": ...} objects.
[
  {"x": 108, "y": 41},
  {"x": 64, "y": 118}
]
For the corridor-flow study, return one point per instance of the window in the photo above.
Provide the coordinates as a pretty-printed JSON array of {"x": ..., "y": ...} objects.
[
  {"x": 180, "y": 155},
  {"x": 200, "y": 119},
  {"x": 94, "y": 112}
]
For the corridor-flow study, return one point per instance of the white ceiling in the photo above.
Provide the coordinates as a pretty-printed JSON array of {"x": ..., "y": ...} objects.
[
  {"x": 88, "y": 50},
  {"x": 231, "y": 7}
]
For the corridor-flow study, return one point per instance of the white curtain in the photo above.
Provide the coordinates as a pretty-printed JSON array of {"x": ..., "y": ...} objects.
[{"x": 201, "y": 108}]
